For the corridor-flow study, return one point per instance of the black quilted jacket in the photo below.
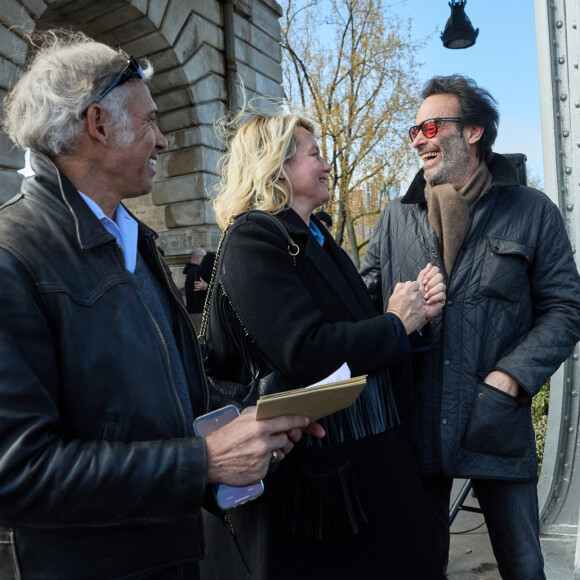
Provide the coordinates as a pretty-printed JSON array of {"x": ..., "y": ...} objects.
[{"x": 513, "y": 304}]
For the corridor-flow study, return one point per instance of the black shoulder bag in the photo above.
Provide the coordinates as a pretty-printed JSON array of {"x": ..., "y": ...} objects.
[{"x": 226, "y": 392}]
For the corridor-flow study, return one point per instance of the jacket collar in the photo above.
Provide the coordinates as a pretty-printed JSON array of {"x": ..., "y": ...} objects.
[
  {"x": 297, "y": 227},
  {"x": 298, "y": 230},
  {"x": 293, "y": 223},
  {"x": 49, "y": 182},
  {"x": 343, "y": 286},
  {"x": 501, "y": 170}
]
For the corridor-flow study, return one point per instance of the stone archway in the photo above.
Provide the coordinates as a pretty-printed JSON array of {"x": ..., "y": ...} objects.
[{"x": 184, "y": 40}]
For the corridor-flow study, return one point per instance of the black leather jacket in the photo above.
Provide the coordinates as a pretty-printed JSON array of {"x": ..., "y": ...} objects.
[{"x": 97, "y": 477}]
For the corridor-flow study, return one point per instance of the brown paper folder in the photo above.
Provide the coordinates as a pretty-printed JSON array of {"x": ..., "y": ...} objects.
[{"x": 314, "y": 402}]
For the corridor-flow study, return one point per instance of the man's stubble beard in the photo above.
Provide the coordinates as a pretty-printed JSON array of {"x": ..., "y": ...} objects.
[{"x": 455, "y": 160}]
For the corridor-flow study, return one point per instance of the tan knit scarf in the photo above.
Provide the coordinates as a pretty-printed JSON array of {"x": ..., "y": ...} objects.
[{"x": 449, "y": 211}]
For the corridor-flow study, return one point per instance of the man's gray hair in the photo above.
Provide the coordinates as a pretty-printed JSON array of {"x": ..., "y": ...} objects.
[{"x": 46, "y": 109}]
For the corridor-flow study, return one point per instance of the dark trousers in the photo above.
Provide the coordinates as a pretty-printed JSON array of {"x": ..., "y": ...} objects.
[
  {"x": 188, "y": 571},
  {"x": 510, "y": 509}
]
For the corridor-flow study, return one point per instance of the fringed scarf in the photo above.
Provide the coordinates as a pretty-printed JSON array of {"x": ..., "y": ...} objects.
[{"x": 319, "y": 498}]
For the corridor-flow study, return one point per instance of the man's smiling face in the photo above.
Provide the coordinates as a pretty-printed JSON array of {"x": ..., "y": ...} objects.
[{"x": 447, "y": 157}]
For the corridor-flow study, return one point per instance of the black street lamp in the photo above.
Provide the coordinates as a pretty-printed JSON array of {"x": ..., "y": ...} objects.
[{"x": 459, "y": 32}]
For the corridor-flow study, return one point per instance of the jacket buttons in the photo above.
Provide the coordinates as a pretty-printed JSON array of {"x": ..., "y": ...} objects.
[
  {"x": 447, "y": 362},
  {"x": 449, "y": 303},
  {"x": 444, "y": 421}
]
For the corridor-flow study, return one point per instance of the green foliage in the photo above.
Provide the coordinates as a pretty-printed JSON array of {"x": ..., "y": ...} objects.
[{"x": 540, "y": 406}]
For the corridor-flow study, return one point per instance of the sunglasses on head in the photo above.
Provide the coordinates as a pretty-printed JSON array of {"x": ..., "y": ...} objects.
[
  {"x": 430, "y": 127},
  {"x": 131, "y": 71}
]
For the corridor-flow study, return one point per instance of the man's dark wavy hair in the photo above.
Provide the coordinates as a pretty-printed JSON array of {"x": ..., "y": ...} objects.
[{"x": 476, "y": 106}]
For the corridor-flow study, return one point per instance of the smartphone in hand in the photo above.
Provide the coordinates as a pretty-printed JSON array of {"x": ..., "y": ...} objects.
[{"x": 227, "y": 496}]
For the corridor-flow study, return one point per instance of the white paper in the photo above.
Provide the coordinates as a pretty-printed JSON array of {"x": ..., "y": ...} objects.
[{"x": 341, "y": 374}]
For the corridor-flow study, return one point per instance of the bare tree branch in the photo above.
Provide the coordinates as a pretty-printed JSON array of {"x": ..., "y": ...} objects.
[{"x": 352, "y": 65}]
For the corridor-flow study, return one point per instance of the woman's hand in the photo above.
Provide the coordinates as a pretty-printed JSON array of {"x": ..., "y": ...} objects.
[
  {"x": 431, "y": 281},
  {"x": 200, "y": 284},
  {"x": 408, "y": 303}
]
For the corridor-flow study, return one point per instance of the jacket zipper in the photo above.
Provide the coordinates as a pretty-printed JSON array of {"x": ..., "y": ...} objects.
[
  {"x": 171, "y": 291},
  {"x": 230, "y": 526},
  {"x": 165, "y": 349},
  {"x": 168, "y": 361},
  {"x": 437, "y": 430},
  {"x": 181, "y": 307}
]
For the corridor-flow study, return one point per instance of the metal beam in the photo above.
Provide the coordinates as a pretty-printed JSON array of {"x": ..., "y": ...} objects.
[{"x": 558, "y": 43}]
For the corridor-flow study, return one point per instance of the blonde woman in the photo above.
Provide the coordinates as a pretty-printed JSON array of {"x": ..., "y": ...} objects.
[{"x": 351, "y": 505}]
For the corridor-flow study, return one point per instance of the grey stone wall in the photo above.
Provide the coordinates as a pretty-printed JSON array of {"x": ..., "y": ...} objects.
[{"x": 184, "y": 40}]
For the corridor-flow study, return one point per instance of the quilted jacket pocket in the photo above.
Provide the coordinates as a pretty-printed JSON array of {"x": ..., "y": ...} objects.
[
  {"x": 504, "y": 272},
  {"x": 9, "y": 569},
  {"x": 498, "y": 424}
]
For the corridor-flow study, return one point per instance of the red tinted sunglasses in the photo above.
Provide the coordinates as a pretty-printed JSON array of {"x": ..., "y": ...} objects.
[{"x": 430, "y": 127}]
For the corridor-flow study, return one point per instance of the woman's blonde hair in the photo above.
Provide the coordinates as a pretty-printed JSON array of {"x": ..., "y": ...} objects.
[{"x": 258, "y": 145}]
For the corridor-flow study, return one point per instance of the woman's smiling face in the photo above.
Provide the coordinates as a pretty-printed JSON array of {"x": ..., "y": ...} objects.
[{"x": 306, "y": 174}]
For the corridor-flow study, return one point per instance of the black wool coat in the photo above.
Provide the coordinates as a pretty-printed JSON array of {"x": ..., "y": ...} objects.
[
  {"x": 299, "y": 313},
  {"x": 330, "y": 503}
]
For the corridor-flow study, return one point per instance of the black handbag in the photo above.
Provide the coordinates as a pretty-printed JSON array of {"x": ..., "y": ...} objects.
[{"x": 224, "y": 392}]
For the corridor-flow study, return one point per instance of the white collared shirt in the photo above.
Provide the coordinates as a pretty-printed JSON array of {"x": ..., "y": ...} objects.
[{"x": 124, "y": 228}]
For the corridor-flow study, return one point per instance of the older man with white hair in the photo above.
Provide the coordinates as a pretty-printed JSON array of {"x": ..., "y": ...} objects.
[{"x": 101, "y": 475}]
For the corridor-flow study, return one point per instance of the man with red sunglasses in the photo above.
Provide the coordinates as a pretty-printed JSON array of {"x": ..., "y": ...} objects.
[{"x": 512, "y": 315}]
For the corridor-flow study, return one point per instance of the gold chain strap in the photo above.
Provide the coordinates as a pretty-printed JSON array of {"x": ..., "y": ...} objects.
[
  {"x": 293, "y": 250},
  {"x": 207, "y": 303}
]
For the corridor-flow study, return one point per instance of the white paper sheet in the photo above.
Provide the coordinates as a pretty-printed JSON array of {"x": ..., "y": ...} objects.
[{"x": 341, "y": 374}]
